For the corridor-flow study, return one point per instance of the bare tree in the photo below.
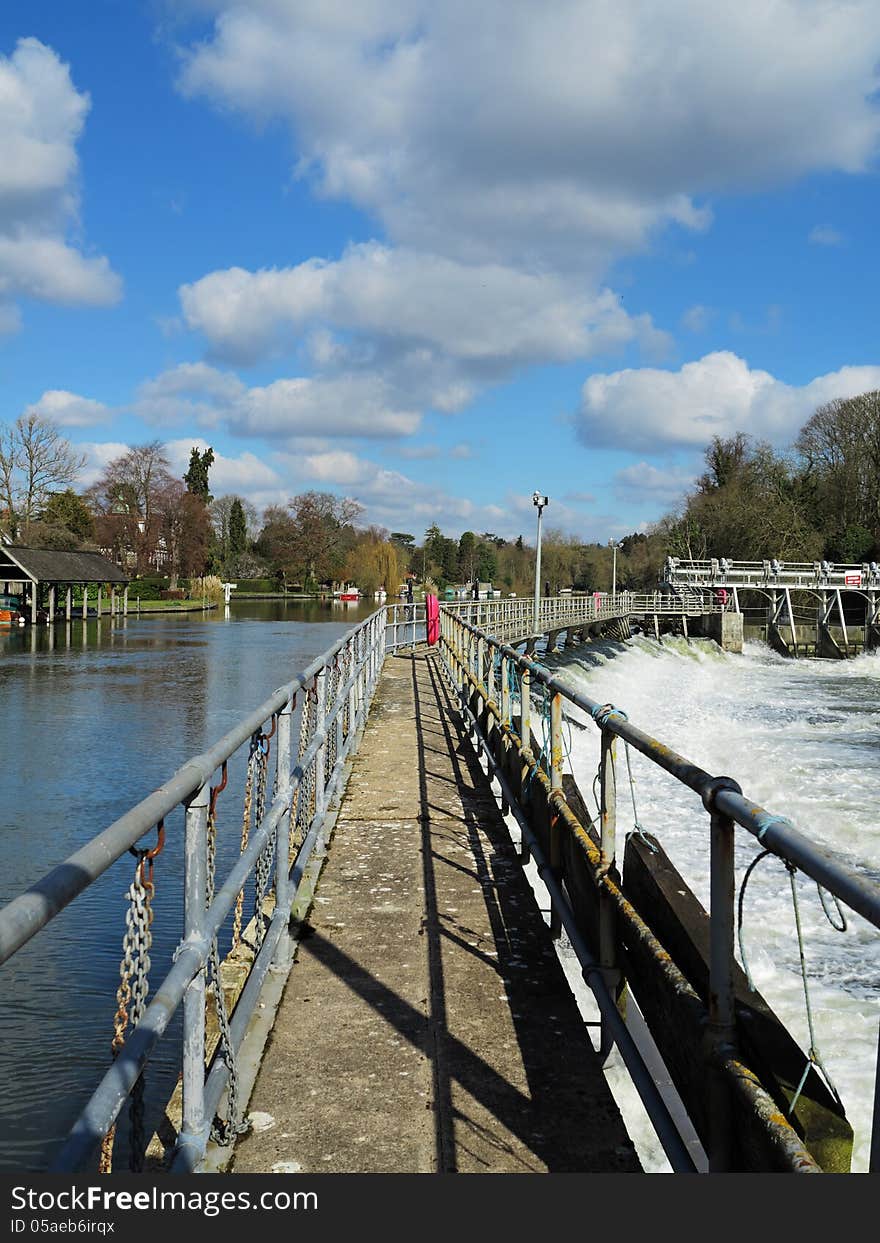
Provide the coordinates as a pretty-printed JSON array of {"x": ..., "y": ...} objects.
[
  {"x": 35, "y": 462},
  {"x": 183, "y": 525},
  {"x": 125, "y": 500}
]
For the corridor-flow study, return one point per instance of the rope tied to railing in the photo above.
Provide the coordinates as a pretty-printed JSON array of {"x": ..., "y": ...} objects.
[
  {"x": 131, "y": 996},
  {"x": 813, "y": 1056},
  {"x": 601, "y": 714},
  {"x": 223, "y": 1130}
]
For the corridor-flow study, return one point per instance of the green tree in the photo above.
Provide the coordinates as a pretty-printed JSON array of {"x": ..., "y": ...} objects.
[
  {"x": 69, "y": 511},
  {"x": 237, "y": 528},
  {"x": 196, "y": 477}
]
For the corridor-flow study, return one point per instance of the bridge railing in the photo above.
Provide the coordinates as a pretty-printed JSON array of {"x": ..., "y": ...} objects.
[
  {"x": 514, "y": 620},
  {"x": 486, "y": 673},
  {"x": 313, "y": 723},
  {"x": 724, "y": 572}
]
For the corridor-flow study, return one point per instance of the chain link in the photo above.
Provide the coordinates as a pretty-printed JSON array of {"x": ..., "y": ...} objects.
[
  {"x": 131, "y": 996},
  {"x": 222, "y": 1130}
]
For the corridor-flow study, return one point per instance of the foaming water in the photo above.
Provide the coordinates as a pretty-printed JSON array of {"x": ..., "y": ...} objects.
[{"x": 801, "y": 738}]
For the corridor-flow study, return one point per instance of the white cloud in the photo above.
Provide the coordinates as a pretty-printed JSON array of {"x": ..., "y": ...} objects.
[
  {"x": 244, "y": 474},
  {"x": 825, "y": 235},
  {"x": 43, "y": 118},
  {"x": 69, "y": 409},
  {"x": 643, "y": 480},
  {"x": 717, "y": 395},
  {"x": 557, "y": 134},
  {"x": 487, "y": 317},
  {"x": 356, "y": 405}
]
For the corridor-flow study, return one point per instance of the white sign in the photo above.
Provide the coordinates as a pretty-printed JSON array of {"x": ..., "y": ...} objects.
[{"x": 852, "y": 578}]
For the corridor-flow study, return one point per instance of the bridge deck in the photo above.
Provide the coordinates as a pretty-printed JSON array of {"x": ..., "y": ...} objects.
[{"x": 426, "y": 1025}]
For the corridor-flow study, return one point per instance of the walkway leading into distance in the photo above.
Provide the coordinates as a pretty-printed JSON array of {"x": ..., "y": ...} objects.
[{"x": 426, "y": 1025}]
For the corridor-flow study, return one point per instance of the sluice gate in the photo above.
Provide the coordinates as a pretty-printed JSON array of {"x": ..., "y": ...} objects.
[
  {"x": 815, "y": 608},
  {"x": 279, "y": 777}
]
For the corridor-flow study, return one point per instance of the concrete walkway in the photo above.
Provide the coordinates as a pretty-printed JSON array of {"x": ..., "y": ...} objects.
[{"x": 426, "y": 1025}]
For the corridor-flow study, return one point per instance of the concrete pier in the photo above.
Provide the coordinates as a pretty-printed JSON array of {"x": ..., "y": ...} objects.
[{"x": 426, "y": 1025}]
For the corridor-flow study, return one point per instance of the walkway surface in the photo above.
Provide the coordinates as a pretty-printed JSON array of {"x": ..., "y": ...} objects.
[{"x": 427, "y": 1025}]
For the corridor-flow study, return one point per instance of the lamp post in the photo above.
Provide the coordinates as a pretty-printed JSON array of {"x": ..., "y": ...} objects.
[
  {"x": 539, "y": 502},
  {"x": 613, "y": 546}
]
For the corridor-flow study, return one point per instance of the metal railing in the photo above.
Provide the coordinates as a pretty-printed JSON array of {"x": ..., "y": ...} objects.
[
  {"x": 314, "y": 723},
  {"x": 818, "y": 575},
  {"x": 481, "y": 665},
  {"x": 514, "y": 620}
]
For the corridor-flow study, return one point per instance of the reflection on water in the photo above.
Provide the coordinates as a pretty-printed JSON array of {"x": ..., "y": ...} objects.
[{"x": 93, "y": 716}]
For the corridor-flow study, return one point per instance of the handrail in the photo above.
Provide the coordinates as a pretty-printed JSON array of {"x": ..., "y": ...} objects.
[
  {"x": 479, "y": 658},
  {"x": 330, "y": 700}
]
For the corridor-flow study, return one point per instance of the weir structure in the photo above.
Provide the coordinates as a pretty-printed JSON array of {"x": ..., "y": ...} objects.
[
  {"x": 652, "y": 958},
  {"x": 816, "y": 608}
]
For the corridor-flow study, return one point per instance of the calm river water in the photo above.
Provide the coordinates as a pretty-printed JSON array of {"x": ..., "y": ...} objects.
[{"x": 92, "y": 718}]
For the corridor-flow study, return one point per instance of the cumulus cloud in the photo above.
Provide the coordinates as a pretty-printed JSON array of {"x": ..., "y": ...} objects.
[
  {"x": 452, "y": 131},
  {"x": 69, "y": 409},
  {"x": 644, "y": 480},
  {"x": 484, "y": 316},
  {"x": 646, "y": 408},
  {"x": 43, "y": 118},
  {"x": 357, "y": 405},
  {"x": 245, "y": 473}
]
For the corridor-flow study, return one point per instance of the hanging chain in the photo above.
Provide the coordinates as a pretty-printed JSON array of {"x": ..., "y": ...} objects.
[
  {"x": 222, "y": 1130},
  {"x": 252, "y": 761},
  {"x": 263, "y": 868},
  {"x": 131, "y": 996},
  {"x": 305, "y": 807}
]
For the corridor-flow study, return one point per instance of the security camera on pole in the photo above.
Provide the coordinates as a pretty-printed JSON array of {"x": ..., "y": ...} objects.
[{"x": 539, "y": 502}]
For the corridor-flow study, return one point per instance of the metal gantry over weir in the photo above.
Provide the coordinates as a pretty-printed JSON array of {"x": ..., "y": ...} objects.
[
  {"x": 829, "y": 609},
  {"x": 286, "y": 764}
]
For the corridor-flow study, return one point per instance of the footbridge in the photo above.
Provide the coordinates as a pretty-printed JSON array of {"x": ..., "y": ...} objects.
[
  {"x": 814, "y": 608},
  {"x": 572, "y": 619},
  {"x": 395, "y": 822}
]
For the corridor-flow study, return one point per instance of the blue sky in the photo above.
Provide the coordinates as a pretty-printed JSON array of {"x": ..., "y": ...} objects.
[{"x": 436, "y": 257}]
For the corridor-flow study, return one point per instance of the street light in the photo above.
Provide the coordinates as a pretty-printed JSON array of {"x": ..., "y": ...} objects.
[
  {"x": 539, "y": 502},
  {"x": 613, "y": 546}
]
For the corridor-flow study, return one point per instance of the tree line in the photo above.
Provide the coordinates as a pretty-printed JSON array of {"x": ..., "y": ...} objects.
[
  {"x": 154, "y": 524},
  {"x": 819, "y": 498}
]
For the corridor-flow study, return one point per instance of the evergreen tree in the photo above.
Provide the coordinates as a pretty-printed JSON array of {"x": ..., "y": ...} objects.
[
  {"x": 196, "y": 477},
  {"x": 237, "y": 529}
]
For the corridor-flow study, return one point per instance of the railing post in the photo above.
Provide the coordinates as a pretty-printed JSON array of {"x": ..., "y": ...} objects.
[
  {"x": 555, "y": 785},
  {"x": 194, "y": 895},
  {"x": 282, "y": 853},
  {"x": 608, "y": 953},
  {"x": 505, "y": 691},
  {"x": 722, "y": 1015},
  {"x": 321, "y": 756}
]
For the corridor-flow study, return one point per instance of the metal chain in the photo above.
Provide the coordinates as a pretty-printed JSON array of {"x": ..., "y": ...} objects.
[
  {"x": 131, "y": 996},
  {"x": 222, "y": 1130},
  {"x": 263, "y": 868},
  {"x": 306, "y": 800},
  {"x": 245, "y": 829}
]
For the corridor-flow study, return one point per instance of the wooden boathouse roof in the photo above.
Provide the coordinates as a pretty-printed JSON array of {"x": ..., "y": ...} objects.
[{"x": 46, "y": 565}]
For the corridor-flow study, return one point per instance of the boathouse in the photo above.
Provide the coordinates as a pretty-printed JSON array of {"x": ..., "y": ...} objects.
[{"x": 36, "y": 572}]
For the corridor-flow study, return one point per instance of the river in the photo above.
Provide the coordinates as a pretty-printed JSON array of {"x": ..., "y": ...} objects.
[{"x": 95, "y": 716}]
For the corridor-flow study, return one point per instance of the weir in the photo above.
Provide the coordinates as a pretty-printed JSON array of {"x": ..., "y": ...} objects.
[
  {"x": 817, "y": 608},
  {"x": 376, "y": 911}
]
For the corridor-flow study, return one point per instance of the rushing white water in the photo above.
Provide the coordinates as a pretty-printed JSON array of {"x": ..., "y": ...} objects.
[{"x": 801, "y": 738}]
